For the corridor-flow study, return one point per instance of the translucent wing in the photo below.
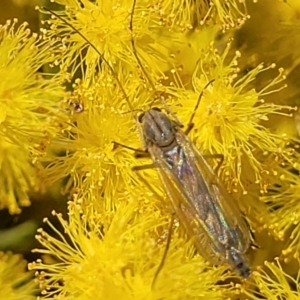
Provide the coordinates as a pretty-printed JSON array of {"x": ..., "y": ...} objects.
[
  {"x": 203, "y": 206},
  {"x": 184, "y": 209},
  {"x": 231, "y": 215}
]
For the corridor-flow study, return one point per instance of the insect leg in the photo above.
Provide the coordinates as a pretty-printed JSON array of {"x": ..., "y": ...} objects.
[
  {"x": 138, "y": 152},
  {"x": 191, "y": 124},
  {"x": 216, "y": 156},
  {"x": 143, "y": 167},
  {"x": 165, "y": 252},
  {"x": 160, "y": 266},
  {"x": 252, "y": 237},
  {"x": 189, "y": 128},
  {"x": 254, "y": 246}
]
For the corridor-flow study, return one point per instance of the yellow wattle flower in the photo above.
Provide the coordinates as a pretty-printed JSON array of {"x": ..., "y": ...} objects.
[
  {"x": 159, "y": 31},
  {"x": 106, "y": 256},
  {"x": 112, "y": 246},
  {"x": 93, "y": 160},
  {"x": 274, "y": 283},
  {"x": 106, "y": 25},
  {"x": 283, "y": 205},
  {"x": 29, "y": 112},
  {"x": 233, "y": 119},
  {"x": 190, "y": 14},
  {"x": 15, "y": 281},
  {"x": 17, "y": 176}
]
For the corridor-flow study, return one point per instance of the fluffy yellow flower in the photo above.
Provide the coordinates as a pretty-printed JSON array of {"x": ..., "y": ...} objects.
[
  {"x": 93, "y": 161},
  {"x": 283, "y": 205},
  {"x": 278, "y": 41},
  {"x": 189, "y": 14},
  {"x": 114, "y": 255},
  {"x": 107, "y": 26},
  {"x": 29, "y": 111},
  {"x": 273, "y": 282},
  {"x": 16, "y": 283},
  {"x": 27, "y": 99},
  {"x": 159, "y": 32},
  {"x": 17, "y": 176},
  {"x": 232, "y": 119}
]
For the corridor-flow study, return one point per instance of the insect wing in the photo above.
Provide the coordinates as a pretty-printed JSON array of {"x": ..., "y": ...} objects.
[
  {"x": 184, "y": 209},
  {"x": 210, "y": 218},
  {"x": 229, "y": 214},
  {"x": 226, "y": 204}
]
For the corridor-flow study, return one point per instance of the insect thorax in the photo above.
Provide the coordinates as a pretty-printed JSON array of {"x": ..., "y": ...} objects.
[{"x": 158, "y": 129}]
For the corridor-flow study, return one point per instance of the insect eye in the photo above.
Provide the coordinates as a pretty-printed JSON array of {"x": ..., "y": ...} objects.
[{"x": 140, "y": 117}]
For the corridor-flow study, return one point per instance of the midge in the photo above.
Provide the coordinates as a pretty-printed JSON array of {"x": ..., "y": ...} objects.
[{"x": 204, "y": 208}]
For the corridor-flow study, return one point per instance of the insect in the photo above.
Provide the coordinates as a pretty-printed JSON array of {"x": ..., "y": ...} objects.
[
  {"x": 205, "y": 209},
  {"x": 203, "y": 206}
]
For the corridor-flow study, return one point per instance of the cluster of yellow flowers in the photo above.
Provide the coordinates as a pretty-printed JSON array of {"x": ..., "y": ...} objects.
[{"x": 69, "y": 100}]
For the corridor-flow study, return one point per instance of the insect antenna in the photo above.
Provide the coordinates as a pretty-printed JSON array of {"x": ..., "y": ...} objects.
[
  {"x": 97, "y": 51},
  {"x": 190, "y": 123},
  {"x": 134, "y": 50},
  {"x": 130, "y": 111}
]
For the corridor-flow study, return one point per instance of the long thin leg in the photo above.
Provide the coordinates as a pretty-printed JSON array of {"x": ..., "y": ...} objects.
[
  {"x": 165, "y": 252},
  {"x": 216, "y": 156},
  {"x": 137, "y": 152},
  {"x": 143, "y": 167},
  {"x": 135, "y": 53},
  {"x": 252, "y": 237},
  {"x": 169, "y": 233},
  {"x": 191, "y": 124},
  {"x": 189, "y": 128}
]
